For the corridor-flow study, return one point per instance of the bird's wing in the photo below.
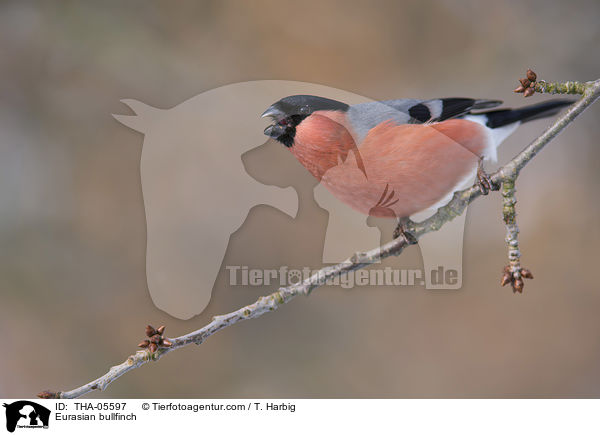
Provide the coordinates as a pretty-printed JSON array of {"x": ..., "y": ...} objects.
[{"x": 366, "y": 116}]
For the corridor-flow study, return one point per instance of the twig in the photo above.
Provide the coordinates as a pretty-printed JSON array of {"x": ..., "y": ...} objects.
[
  {"x": 359, "y": 260},
  {"x": 530, "y": 85},
  {"x": 514, "y": 272}
]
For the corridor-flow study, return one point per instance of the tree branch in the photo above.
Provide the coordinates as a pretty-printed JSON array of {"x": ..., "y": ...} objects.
[
  {"x": 514, "y": 272},
  {"x": 265, "y": 304}
]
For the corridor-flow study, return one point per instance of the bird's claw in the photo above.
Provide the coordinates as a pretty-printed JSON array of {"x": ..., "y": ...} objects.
[
  {"x": 402, "y": 231},
  {"x": 484, "y": 181}
]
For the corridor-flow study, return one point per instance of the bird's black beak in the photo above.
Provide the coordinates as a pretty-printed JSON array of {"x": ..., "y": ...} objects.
[
  {"x": 273, "y": 112},
  {"x": 269, "y": 130},
  {"x": 274, "y": 131}
]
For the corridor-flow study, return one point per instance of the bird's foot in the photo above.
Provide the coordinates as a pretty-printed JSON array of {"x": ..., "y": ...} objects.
[
  {"x": 402, "y": 231},
  {"x": 484, "y": 181}
]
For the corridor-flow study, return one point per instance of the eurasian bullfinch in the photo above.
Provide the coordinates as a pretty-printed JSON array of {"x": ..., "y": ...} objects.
[{"x": 398, "y": 157}]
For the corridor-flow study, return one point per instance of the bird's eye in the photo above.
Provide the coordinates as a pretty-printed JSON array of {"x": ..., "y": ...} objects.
[{"x": 304, "y": 110}]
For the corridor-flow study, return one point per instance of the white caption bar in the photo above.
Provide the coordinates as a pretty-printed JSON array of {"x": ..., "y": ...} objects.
[{"x": 277, "y": 416}]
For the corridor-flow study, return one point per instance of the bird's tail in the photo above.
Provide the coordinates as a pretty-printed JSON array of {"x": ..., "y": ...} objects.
[{"x": 502, "y": 117}]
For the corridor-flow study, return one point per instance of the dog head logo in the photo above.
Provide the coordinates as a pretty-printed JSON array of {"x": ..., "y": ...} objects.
[{"x": 26, "y": 414}]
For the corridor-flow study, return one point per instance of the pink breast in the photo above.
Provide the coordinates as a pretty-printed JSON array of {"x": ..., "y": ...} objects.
[{"x": 409, "y": 168}]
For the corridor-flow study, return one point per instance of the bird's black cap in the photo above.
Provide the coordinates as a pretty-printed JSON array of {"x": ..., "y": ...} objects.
[{"x": 302, "y": 105}]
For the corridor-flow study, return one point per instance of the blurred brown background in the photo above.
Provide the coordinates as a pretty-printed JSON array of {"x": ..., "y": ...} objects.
[{"x": 72, "y": 226}]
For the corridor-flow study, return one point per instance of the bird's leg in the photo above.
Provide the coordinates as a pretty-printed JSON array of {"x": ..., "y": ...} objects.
[
  {"x": 401, "y": 230},
  {"x": 484, "y": 180}
]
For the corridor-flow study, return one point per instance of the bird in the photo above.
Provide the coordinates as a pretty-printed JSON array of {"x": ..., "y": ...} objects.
[{"x": 395, "y": 158}]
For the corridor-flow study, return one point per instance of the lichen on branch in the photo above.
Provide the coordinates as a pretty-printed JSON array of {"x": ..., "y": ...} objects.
[
  {"x": 514, "y": 272},
  {"x": 530, "y": 85}
]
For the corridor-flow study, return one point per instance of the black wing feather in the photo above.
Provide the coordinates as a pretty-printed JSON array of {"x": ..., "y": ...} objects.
[{"x": 454, "y": 107}]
